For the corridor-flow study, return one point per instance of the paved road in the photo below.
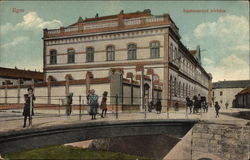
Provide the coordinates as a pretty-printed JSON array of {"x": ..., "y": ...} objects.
[{"x": 13, "y": 120}]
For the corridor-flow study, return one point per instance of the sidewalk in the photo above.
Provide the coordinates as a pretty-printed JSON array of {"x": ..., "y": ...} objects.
[{"x": 13, "y": 120}]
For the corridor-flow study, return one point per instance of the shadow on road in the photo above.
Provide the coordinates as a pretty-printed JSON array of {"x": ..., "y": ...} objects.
[{"x": 241, "y": 114}]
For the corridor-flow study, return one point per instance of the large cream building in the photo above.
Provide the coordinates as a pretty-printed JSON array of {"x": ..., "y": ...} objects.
[
  {"x": 132, "y": 42},
  {"x": 132, "y": 55}
]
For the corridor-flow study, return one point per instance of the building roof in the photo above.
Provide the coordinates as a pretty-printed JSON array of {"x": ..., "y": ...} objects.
[
  {"x": 20, "y": 74},
  {"x": 232, "y": 84},
  {"x": 244, "y": 91},
  {"x": 117, "y": 22},
  {"x": 137, "y": 14}
]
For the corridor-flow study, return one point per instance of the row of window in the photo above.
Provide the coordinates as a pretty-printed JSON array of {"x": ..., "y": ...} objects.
[
  {"x": 175, "y": 57},
  {"x": 178, "y": 89},
  {"x": 110, "y": 53}
]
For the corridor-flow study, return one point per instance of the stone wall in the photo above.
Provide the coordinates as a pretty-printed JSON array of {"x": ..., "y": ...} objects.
[{"x": 214, "y": 141}]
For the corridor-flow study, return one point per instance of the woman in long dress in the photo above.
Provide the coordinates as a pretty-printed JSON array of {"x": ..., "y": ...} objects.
[{"x": 93, "y": 103}]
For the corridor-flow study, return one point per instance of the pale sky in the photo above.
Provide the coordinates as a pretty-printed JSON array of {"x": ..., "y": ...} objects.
[{"x": 223, "y": 36}]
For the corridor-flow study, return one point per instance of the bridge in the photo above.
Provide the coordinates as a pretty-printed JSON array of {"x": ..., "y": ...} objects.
[
  {"x": 208, "y": 134},
  {"x": 68, "y": 133}
]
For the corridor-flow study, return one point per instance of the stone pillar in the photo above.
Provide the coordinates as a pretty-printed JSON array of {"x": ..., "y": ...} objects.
[
  {"x": 89, "y": 76},
  {"x": 66, "y": 85},
  {"x": 165, "y": 74},
  {"x": 141, "y": 69},
  {"x": 116, "y": 78},
  {"x": 131, "y": 76},
  {"x": 150, "y": 71}
]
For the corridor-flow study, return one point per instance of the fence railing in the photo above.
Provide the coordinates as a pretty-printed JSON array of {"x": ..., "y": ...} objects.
[{"x": 79, "y": 106}]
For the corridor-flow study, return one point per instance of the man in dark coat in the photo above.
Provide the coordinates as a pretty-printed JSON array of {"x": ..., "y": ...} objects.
[
  {"x": 104, "y": 104},
  {"x": 29, "y": 102},
  {"x": 189, "y": 104},
  {"x": 158, "y": 106},
  {"x": 69, "y": 103},
  {"x": 217, "y": 108}
]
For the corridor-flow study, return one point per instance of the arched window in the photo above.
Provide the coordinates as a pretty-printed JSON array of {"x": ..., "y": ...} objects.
[
  {"x": 175, "y": 54},
  {"x": 90, "y": 54},
  {"x": 132, "y": 51},
  {"x": 179, "y": 89},
  {"x": 155, "y": 50},
  {"x": 170, "y": 93},
  {"x": 53, "y": 57},
  {"x": 110, "y": 53},
  {"x": 189, "y": 90},
  {"x": 184, "y": 67},
  {"x": 71, "y": 56},
  {"x": 186, "y": 90},
  {"x": 183, "y": 90},
  {"x": 171, "y": 52}
]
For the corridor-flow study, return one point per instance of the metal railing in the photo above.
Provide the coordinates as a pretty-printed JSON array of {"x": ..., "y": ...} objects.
[{"x": 115, "y": 106}]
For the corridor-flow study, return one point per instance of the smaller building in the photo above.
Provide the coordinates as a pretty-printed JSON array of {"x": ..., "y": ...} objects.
[
  {"x": 225, "y": 91},
  {"x": 16, "y": 78},
  {"x": 9, "y": 76},
  {"x": 242, "y": 99}
]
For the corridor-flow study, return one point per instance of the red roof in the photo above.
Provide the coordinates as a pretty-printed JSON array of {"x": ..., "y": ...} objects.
[{"x": 20, "y": 74}]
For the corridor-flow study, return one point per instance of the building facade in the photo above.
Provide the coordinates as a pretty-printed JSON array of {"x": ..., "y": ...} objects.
[
  {"x": 139, "y": 43},
  {"x": 225, "y": 91},
  {"x": 242, "y": 99},
  {"x": 136, "y": 56}
]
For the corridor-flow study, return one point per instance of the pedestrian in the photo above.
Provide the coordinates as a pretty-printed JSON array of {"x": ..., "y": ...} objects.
[
  {"x": 217, "y": 108},
  {"x": 199, "y": 100},
  {"x": 69, "y": 103},
  {"x": 226, "y": 105},
  {"x": 93, "y": 103},
  {"x": 150, "y": 106},
  {"x": 158, "y": 106},
  {"x": 176, "y": 106},
  {"x": 87, "y": 97},
  {"x": 206, "y": 106},
  {"x": 196, "y": 105},
  {"x": 189, "y": 104},
  {"x": 104, "y": 104},
  {"x": 29, "y": 102}
]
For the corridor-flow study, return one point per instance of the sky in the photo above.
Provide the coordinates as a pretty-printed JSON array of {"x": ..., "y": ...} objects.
[{"x": 223, "y": 36}]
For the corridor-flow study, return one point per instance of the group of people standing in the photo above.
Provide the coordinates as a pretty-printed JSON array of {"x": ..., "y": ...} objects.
[
  {"x": 157, "y": 106},
  {"x": 198, "y": 103},
  {"x": 92, "y": 101}
]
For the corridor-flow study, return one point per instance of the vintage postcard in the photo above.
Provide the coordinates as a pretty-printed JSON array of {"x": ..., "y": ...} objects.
[{"x": 124, "y": 80}]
